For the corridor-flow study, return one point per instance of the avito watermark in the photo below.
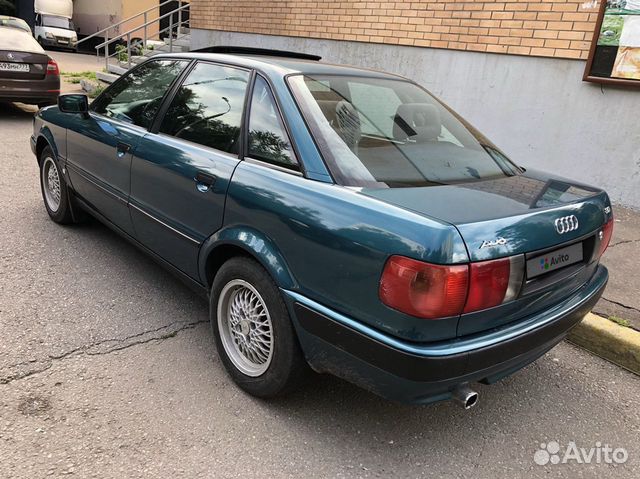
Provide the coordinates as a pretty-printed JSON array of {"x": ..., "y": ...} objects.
[{"x": 552, "y": 453}]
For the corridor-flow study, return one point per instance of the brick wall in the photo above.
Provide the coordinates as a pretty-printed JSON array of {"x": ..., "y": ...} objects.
[{"x": 550, "y": 28}]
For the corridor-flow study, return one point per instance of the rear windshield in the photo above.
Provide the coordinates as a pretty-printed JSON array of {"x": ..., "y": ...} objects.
[
  {"x": 14, "y": 23},
  {"x": 392, "y": 133}
]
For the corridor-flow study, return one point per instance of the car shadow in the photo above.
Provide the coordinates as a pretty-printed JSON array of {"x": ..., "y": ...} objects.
[{"x": 17, "y": 111}]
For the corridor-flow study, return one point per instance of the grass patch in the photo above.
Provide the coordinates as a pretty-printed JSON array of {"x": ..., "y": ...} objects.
[
  {"x": 99, "y": 89},
  {"x": 77, "y": 77},
  {"x": 620, "y": 321}
]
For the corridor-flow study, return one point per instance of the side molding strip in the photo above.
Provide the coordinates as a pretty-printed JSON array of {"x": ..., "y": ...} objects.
[{"x": 180, "y": 233}]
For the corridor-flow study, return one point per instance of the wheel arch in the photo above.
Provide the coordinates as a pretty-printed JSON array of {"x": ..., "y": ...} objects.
[
  {"x": 243, "y": 241},
  {"x": 45, "y": 138}
]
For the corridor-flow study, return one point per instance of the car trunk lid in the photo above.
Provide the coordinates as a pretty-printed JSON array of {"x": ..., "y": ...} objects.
[
  {"x": 506, "y": 216},
  {"x": 533, "y": 215},
  {"x": 16, "y": 65}
]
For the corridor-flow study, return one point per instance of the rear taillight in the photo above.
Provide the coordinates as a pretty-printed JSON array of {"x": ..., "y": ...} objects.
[
  {"x": 607, "y": 232},
  {"x": 422, "y": 289},
  {"x": 433, "y": 291},
  {"x": 52, "y": 68},
  {"x": 494, "y": 282}
]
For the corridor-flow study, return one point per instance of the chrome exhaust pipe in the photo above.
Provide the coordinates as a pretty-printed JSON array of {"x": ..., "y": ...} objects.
[{"x": 465, "y": 396}]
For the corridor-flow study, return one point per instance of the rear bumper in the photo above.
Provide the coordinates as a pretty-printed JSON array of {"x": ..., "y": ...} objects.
[
  {"x": 423, "y": 373},
  {"x": 30, "y": 91}
]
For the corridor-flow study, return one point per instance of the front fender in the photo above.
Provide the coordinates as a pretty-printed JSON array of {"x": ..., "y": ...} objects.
[
  {"x": 45, "y": 134},
  {"x": 254, "y": 243}
]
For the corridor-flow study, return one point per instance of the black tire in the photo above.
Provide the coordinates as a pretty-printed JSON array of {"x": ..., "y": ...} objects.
[
  {"x": 287, "y": 366},
  {"x": 62, "y": 214}
]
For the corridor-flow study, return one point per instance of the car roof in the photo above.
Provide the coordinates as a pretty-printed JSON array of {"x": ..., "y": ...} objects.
[{"x": 284, "y": 65}]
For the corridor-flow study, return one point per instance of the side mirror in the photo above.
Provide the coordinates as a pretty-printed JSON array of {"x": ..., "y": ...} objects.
[{"x": 74, "y": 103}]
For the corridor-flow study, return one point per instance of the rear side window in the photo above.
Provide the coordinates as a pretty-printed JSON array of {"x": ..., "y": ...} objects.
[
  {"x": 207, "y": 108},
  {"x": 136, "y": 98},
  {"x": 268, "y": 140}
]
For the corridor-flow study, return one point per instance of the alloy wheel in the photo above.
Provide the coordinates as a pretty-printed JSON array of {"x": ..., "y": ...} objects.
[
  {"x": 245, "y": 327},
  {"x": 51, "y": 183}
]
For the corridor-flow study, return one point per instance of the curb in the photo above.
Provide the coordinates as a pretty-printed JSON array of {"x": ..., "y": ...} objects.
[{"x": 608, "y": 340}]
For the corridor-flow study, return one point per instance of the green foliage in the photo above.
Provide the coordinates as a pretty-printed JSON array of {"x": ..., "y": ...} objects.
[
  {"x": 121, "y": 54},
  {"x": 611, "y": 30},
  {"x": 99, "y": 89},
  {"x": 76, "y": 77},
  {"x": 620, "y": 321},
  {"x": 7, "y": 8}
]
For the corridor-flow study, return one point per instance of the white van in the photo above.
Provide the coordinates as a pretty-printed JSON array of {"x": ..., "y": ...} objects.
[{"x": 53, "y": 26}]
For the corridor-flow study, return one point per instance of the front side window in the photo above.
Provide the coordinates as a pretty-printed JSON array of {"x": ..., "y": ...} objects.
[
  {"x": 382, "y": 132},
  {"x": 268, "y": 140},
  {"x": 137, "y": 97},
  {"x": 207, "y": 108}
]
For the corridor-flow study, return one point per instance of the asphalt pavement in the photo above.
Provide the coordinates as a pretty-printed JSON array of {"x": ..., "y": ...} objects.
[
  {"x": 621, "y": 298},
  {"x": 108, "y": 369}
]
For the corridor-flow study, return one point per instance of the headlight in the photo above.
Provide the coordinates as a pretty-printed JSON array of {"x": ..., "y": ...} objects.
[
  {"x": 49, "y": 35},
  {"x": 74, "y": 39}
]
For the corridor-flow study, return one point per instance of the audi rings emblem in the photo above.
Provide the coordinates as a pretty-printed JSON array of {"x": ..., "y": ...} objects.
[{"x": 566, "y": 224}]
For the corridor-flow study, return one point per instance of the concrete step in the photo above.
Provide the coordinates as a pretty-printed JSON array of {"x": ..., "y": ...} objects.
[
  {"x": 137, "y": 60},
  {"x": 155, "y": 51},
  {"x": 107, "y": 77},
  {"x": 117, "y": 69},
  {"x": 176, "y": 49},
  {"x": 184, "y": 42}
]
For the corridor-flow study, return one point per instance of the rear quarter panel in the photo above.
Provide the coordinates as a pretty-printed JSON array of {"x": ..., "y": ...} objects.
[{"x": 335, "y": 243}]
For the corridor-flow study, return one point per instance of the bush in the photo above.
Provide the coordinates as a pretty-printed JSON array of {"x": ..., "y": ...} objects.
[{"x": 7, "y": 8}]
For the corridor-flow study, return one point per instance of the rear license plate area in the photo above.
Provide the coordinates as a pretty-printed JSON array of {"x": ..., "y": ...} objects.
[
  {"x": 555, "y": 260},
  {"x": 14, "y": 67}
]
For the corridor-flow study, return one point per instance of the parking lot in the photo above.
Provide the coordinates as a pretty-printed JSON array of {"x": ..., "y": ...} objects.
[{"x": 108, "y": 369}]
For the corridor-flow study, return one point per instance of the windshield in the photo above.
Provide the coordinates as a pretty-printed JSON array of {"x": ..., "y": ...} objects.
[
  {"x": 392, "y": 133},
  {"x": 57, "y": 22}
]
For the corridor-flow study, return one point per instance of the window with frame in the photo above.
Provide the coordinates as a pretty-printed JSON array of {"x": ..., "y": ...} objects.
[
  {"x": 207, "y": 108},
  {"x": 268, "y": 139},
  {"x": 136, "y": 97}
]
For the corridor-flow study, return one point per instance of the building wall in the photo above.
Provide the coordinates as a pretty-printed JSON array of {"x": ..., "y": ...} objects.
[
  {"x": 536, "y": 109},
  {"x": 549, "y": 28},
  {"x": 133, "y": 7},
  {"x": 92, "y": 16}
]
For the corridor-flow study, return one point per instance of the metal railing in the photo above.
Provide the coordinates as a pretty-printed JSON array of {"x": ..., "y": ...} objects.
[{"x": 177, "y": 26}]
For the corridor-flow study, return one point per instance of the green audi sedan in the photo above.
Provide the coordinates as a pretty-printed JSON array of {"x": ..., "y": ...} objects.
[{"x": 338, "y": 219}]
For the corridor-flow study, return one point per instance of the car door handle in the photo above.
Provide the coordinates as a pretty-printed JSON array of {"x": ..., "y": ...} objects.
[
  {"x": 122, "y": 149},
  {"x": 204, "y": 181}
]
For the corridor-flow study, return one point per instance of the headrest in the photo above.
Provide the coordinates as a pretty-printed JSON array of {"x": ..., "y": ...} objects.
[
  {"x": 418, "y": 121},
  {"x": 328, "y": 108},
  {"x": 348, "y": 123}
]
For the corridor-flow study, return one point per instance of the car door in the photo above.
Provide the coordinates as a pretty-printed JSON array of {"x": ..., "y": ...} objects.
[
  {"x": 181, "y": 170},
  {"x": 100, "y": 145}
]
